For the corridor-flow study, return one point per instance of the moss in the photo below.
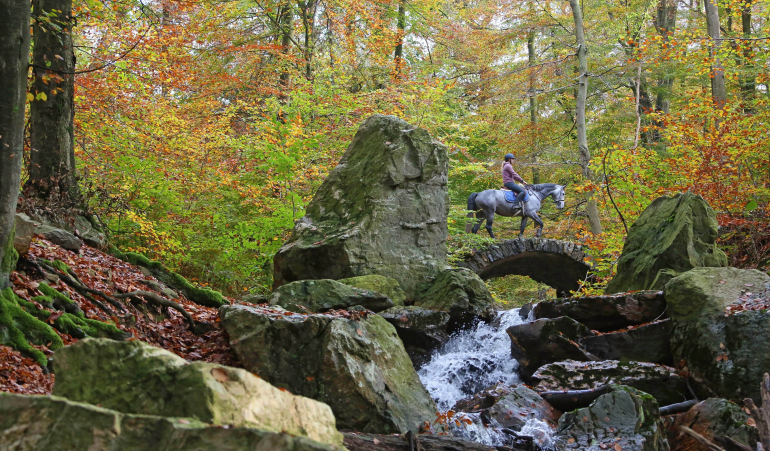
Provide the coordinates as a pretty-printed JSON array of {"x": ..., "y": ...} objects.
[
  {"x": 60, "y": 300},
  {"x": 10, "y": 256},
  {"x": 18, "y": 328},
  {"x": 84, "y": 327},
  {"x": 58, "y": 264}
]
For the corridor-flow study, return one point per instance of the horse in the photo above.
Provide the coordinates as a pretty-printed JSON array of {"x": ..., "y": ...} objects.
[{"x": 491, "y": 201}]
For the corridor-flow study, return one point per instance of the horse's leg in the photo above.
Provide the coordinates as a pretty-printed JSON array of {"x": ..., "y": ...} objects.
[
  {"x": 524, "y": 220},
  {"x": 481, "y": 215},
  {"x": 539, "y": 222},
  {"x": 490, "y": 219}
]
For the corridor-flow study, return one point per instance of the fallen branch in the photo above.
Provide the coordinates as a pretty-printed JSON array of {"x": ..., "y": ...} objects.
[
  {"x": 83, "y": 290},
  {"x": 566, "y": 401},
  {"x": 731, "y": 445},
  {"x": 701, "y": 439},
  {"x": 196, "y": 327},
  {"x": 678, "y": 407},
  {"x": 761, "y": 415}
]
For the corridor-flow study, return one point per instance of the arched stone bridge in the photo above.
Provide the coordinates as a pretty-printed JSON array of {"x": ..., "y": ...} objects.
[{"x": 555, "y": 263}]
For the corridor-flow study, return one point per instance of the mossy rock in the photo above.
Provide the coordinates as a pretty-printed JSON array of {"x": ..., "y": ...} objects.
[
  {"x": 316, "y": 296},
  {"x": 381, "y": 284},
  {"x": 461, "y": 293},
  {"x": 421, "y": 330},
  {"x": 714, "y": 417}
]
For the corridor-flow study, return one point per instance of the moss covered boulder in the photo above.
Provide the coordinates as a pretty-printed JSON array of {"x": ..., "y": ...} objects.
[
  {"x": 134, "y": 377},
  {"x": 315, "y": 296},
  {"x": 609, "y": 312},
  {"x": 520, "y": 405},
  {"x": 420, "y": 329},
  {"x": 715, "y": 419},
  {"x": 381, "y": 284},
  {"x": 382, "y": 210},
  {"x": 625, "y": 419},
  {"x": 461, "y": 293},
  {"x": 359, "y": 368},
  {"x": 671, "y": 236},
  {"x": 721, "y": 333},
  {"x": 51, "y": 423}
]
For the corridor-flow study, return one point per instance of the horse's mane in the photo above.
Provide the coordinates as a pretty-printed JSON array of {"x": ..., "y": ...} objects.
[{"x": 542, "y": 187}]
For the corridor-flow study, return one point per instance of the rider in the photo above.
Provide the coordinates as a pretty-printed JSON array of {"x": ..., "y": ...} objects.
[{"x": 510, "y": 177}]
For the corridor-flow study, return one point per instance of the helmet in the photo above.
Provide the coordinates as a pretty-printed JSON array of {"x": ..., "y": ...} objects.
[{"x": 509, "y": 156}]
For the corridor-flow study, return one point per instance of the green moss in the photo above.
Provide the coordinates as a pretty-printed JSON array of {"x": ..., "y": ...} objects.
[
  {"x": 18, "y": 328},
  {"x": 10, "y": 256},
  {"x": 58, "y": 264},
  {"x": 84, "y": 327},
  {"x": 60, "y": 300}
]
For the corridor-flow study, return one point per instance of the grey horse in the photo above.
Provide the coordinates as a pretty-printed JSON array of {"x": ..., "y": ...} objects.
[{"x": 491, "y": 201}]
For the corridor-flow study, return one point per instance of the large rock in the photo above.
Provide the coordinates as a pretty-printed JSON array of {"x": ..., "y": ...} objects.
[
  {"x": 50, "y": 423},
  {"x": 609, "y": 312},
  {"x": 672, "y": 236},
  {"x": 382, "y": 210},
  {"x": 420, "y": 329},
  {"x": 519, "y": 406},
  {"x": 645, "y": 343},
  {"x": 623, "y": 419},
  {"x": 135, "y": 377},
  {"x": 90, "y": 234},
  {"x": 381, "y": 284},
  {"x": 316, "y": 296},
  {"x": 59, "y": 237},
  {"x": 425, "y": 442},
  {"x": 461, "y": 293},
  {"x": 25, "y": 230},
  {"x": 660, "y": 381},
  {"x": 721, "y": 333},
  {"x": 714, "y": 419},
  {"x": 359, "y": 368}
]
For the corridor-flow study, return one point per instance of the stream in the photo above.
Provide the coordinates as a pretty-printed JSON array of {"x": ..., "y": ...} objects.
[{"x": 471, "y": 361}]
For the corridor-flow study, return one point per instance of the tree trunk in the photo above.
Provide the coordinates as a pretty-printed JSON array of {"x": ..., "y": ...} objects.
[
  {"x": 748, "y": 82},
  {"x": 308, "y": 9},
  {"x": 580, "y": 114},
  {"x": 286, "y": 28},
  {"x": 14, "y": 55},
  {"x": 398, "y": 55},
  {"x": 533, "y": 104},
  {"x": 665, "y": 21},
  {"x": 718, "y": 91},
  {"x": 52, "y": 172}
]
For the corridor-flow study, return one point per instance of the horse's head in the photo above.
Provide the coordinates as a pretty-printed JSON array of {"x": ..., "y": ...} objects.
[{"x": 558, "y": 195}]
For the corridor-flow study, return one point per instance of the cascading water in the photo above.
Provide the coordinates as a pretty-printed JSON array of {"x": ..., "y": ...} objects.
[{"x": 471, "y": 361}]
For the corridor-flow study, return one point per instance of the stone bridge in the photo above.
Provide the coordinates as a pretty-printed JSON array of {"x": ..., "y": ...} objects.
[{"x": 558, "y": 264}]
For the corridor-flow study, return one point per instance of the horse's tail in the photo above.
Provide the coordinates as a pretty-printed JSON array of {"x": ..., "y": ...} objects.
[{"x": 472, "y": 202}]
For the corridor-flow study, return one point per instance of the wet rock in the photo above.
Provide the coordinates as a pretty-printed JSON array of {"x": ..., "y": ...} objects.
[
  {"x": 484, "y": 399},
  {"x": 316, "y": 296},
  {"x": 59, "y": 237},
  {"x": 625, "y": 419},
  {"x": 660, "y": 381},
  {"x": 25, "y": 230},
  {"x": 380, "y": 284},
  {"x": 714, "y": 419},
  {"x": 519, "y": 406},
  {"x": 671, "y": 236},
  {"x": 609, "y": 312},
  {"x": 717, "y": 338},
  {"x": 382, "y": 210},
  {"x": 359, "y": 368},
  {"x": 254, "y": 299},
  {"x": 546, "y": 341},
  {"x": 461, "y": 293},
  {"x": 51, "y": 423},
  {"x": 134, "y": 377},
  {"x": 90, "y": 235},
  {"x": 420, "y": 329},
  {"x": 647, "y": 343},
  {"x": 371, "y": 442}
]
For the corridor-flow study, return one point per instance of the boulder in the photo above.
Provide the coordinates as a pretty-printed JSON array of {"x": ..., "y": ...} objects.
[
  {"x": 646, "y": 343},
  {"x": 135, "y": 377},
  {"x": 316, "y": 296},
  {"x": 359, "y": 368},
  {"x": 254, "y": 299},
  {"x": 660, "y": 381},
  {"x": 372, "y": 442},
  {"x": 671, "y": 236},
  {"x": 381, "y": 284},
  {"x": 51, "y": 423},
  {"x": 484, "y": 399},
  {"x": 721, "y": 333},
  {"x": 421, "y": 330},
  {"x": 625, "y": 419},
  {"x": 25, "y": 230},
  {"x": 460, "y": 292},
  {"x": 59, "y": 237},
  {"x": 519, "y": 406},
  {"x": 546, "y": 341},
  {"x": 609, "y": 312},
  {"x": 714, "y": 419},
  {"x": 382, "y": 210},
  {"x": 90, "y": 235}
]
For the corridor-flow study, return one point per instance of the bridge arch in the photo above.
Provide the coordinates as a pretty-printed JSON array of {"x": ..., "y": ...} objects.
[{"x": 556, "y": 263}]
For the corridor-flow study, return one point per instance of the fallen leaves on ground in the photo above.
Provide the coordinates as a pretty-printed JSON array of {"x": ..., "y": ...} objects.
[{"x": 19, "y": 374}]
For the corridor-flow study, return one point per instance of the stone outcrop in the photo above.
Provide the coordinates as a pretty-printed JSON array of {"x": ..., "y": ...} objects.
[
  {"x": 519, "y": 406},
  {"x": 25, "y": 230},
  {"x": 134, "y": 377},
  {"x": 359, "y": 368},
  {"x": 382, "y": 210},
  {"x": 59, "y": 237},
  {"x": 380, "y": 284},
  {"x": 50, "y": 423},
  {"x": 316, "y": 296},
  {"x": 660, "y": 381},
  {"x": 721, "y": 333},
  {"x": 715, "y": 419},
  {"x": 625, "y": 419},
  {"x": 607, "y": 313},
  {"x": 645, "y": 343},
  {"x": 671, "y": 236},
  {"x": 420, "y": 329},
  {"x": 461, "y": 293}
]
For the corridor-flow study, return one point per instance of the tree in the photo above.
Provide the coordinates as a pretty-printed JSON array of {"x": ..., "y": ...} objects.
[
  {"x": 14, "y": 51},
  {"x": 718, "y": 91}
]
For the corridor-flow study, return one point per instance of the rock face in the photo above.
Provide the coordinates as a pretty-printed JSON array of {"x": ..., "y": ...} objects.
[
  {"x": 660, "y": 381},
  {"x": 316, "y": 296},
  {"x": 134, "y": 377},
  {"x": 519, "y": 406},
  {"x": 61, "y": 237},
  {"x": 461, "y": 293},
  {"x": 724, "y": 346},
  {"x": 50, "y": 423},
  {"x": 647, "y": 343},
  {"x": 673, "y": 235},
  {"x": 25, "y": 230},
  {"x": 624, "y": 418},
  {"x": 420, "y": 329},
  {"x": 713, "y": 418},
  {"x": 607, "y": 313},
  {"x": 381, "y": 284},
  {"x": 382, "y": 210},
  {"x": 359, "y": 368}
]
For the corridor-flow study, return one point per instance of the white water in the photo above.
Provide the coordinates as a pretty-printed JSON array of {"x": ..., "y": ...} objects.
[{"x": 471, "y": 361}]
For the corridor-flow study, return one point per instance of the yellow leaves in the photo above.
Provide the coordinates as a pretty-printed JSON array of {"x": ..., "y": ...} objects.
[
  {"x": 41, "y": 96},
  {"x": 30, "y": 97}
]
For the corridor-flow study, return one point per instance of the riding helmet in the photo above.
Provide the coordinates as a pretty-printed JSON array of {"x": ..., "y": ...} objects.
[{"x": 509, "y": 156}]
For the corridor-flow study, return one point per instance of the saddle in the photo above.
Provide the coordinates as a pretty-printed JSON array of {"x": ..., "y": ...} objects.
[{"x": 510, "y": 196}]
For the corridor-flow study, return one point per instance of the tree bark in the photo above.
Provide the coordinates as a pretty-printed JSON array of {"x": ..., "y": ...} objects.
[
  {"x": 14, "y": 60},
  {"x": 748, "y": 82},
  {"x": 52, "y": 171},
  {"x": 665, "y": 21},
  {"x": 533, "y": 104},
  {"x": 580, "y": 114},
  {"x": 398, "y": 54},
  {"x": 718, "y": 91}
]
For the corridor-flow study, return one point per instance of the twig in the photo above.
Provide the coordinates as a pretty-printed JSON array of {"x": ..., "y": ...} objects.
[{"x": 701, "y": 439}]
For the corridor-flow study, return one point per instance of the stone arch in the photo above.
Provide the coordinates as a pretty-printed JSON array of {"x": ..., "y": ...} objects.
[{"x": 559, "y": 264}]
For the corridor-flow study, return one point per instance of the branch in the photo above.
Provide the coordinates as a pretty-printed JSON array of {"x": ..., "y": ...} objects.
[
  {"x": 701, "y": 439},
  {"x": 761, "y": 415},
  {"x": 196, "y": 327}
]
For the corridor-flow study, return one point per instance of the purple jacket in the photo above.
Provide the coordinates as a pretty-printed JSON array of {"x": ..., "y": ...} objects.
[{"x": 509, "y": 175}]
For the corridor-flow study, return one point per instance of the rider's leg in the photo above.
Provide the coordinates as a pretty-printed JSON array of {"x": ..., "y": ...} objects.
[{"x": 520, "y": 193}]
